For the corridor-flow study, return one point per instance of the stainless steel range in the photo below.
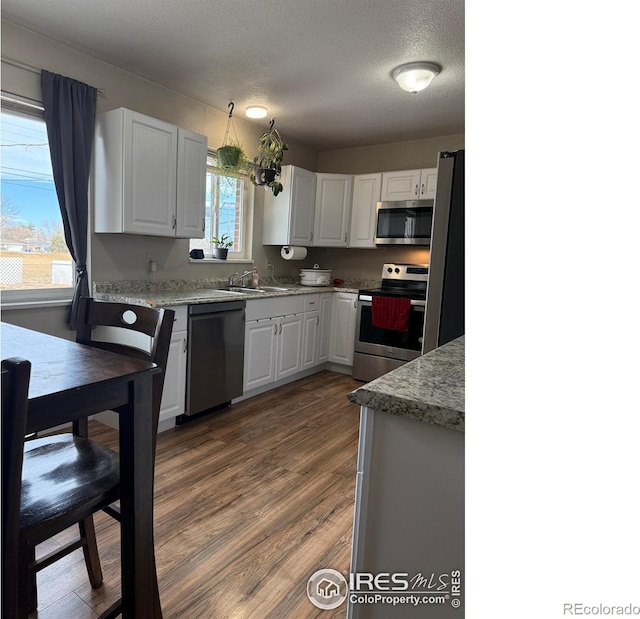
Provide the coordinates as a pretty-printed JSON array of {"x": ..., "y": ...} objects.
[{"x": 390, "y": 321}]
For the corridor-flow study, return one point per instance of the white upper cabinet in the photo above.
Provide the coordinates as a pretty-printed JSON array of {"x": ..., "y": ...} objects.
[
  {"x": 333, "y": 209},
  {"x": 409, "y": 184},
  {"x": 366, "y": 193},
  {"x": 288, "y": 217},
  {"x": 150, "y": 176}
]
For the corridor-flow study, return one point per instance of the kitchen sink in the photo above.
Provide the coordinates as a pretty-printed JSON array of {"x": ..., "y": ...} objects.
[
  {"x": 242, "y": 290},
  {"x": 239, "y": 290}
]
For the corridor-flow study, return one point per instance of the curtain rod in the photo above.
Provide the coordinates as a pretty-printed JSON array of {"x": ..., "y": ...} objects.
[{"x": 32, "y": 69}]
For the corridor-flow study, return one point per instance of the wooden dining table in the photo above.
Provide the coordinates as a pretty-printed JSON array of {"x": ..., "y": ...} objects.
[{"x": 72, "y": 381}]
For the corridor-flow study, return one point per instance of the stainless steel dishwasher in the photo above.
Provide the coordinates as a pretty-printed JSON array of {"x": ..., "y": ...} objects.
[{"x": 215, "y": 360}]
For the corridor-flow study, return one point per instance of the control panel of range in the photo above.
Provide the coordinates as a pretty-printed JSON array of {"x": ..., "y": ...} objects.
[{"x": 414, "y": 272}]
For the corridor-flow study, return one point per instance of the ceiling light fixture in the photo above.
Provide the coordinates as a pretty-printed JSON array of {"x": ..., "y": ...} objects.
[
  {"x": 256, "y": 111},
  {"x": 415, "y": 76}
]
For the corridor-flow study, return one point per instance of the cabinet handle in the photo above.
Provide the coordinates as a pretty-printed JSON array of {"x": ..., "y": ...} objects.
[
  {"x": 173, "y": 225},
  {"x": 275, "y": 329},
  {"x": 345, "y": 237},
  {"x": 416, "y": 190},
  {"x": 311, "y": 236},
  {"x": 280, "y": 331},
  {"x": 185, "y": 344},
  {"x": 317, "y": 320},
  {"x": 422, "y": 189},
  {"x": 203, "y": 224}
]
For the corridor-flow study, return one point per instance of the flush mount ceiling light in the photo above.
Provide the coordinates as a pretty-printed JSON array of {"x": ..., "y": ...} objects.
[
  {"x": 256, "y": 111},
  {"x": 415, "y": 76}
]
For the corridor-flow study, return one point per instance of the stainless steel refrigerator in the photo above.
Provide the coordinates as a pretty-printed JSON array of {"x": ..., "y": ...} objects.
[{"x": 445, "y": 291}]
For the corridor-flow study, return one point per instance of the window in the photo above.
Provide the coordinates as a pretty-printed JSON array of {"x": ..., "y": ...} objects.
[
  {"x": 34, "y": 260},
  {"x": 226, "y": 211}
]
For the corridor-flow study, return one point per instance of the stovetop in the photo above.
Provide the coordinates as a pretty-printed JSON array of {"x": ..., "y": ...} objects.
[{"x": 402, "y": 280}]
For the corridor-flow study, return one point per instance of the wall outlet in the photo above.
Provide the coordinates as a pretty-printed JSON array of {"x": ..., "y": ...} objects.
[{"x": 151, "y": 263}]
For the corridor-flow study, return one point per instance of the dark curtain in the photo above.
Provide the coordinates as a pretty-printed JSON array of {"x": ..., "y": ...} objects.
[{"x": 70, "y": 114}]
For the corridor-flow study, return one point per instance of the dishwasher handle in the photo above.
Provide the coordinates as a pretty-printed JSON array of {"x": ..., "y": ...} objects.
[{"x": 214, "y": 308}]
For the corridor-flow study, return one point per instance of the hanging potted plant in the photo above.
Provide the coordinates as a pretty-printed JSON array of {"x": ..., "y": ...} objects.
[
  {"x": 267, "y": 164},
  {"x": 222, "y": 245},
  {"x": 230, "y": 155}
]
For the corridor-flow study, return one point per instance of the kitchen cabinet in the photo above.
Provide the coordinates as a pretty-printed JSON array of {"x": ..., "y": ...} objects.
[
  {"x": 288, "y": 217},
  {"x": 343, "y": 328},
  {"x": 409, "y": 184},
  {"x": 150, "y": 176},
  {"x": 410, "y": 477},
  {"x": 332, "y": 210},
  {"x": 366, "y": 193},
  {"x": 324, "y": 331},
  {"x": 173, "y": 393},
  {"x": 273, "y": 340}
]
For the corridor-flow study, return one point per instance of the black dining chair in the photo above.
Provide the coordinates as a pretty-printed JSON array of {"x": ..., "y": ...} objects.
[
  {"x": 66, "y": 478},
  {"x": 15, "y": 390}
]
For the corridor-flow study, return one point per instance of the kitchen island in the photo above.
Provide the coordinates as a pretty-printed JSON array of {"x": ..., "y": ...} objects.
[{"x": 409, "y": 513}]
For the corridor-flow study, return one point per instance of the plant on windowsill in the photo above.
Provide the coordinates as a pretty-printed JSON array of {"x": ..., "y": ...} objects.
[
  {"x": 267, "y": 163},
  {"x": 222, "y": 245}
]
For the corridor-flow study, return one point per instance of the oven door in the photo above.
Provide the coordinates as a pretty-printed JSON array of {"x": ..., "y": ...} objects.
[{"x": 403, "y": 345}]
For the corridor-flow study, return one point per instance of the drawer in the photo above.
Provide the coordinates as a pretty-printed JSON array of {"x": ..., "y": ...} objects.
[{"x": 311, "y": 302}]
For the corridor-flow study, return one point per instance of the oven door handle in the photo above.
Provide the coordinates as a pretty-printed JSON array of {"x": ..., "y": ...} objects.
[{"x": 416, "y": 304}]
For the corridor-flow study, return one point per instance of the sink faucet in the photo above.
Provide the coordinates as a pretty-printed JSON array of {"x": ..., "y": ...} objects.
[{"x": 241, "y": 277}]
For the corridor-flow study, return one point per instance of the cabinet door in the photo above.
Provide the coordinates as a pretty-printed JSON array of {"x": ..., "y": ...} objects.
[
  {"x": 289, "y": 346},
  {"x": 343, "y": 328},
  {"x": 401, "y": 185},
  {"x": 326, "y": 302},
  {"x": 149, "y": 177},
  {"x": 333, "y": 207},
  {"x": 288, "y": 217},
  {"x": 175, "y": 377},
  {"x": 303, "y": 197},
  {"x": 428, "y": 179},
  {"x": 191, "y": 184},
  {"x": 366, "y": 193},
  {"x": 310, "y": 341},
  {"x": 259, "y": 353}
]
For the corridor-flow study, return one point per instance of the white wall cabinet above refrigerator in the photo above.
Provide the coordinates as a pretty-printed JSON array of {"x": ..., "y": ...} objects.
[
  {"x": 150, "y": 176},
  {"x": 333, "y": 210},
  {"x": 409, "y": 184},
  {"x": 288, "y": 217}
]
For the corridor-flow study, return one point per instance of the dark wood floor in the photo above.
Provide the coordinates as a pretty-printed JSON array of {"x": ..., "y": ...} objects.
[{"x": 249, "y": 502}]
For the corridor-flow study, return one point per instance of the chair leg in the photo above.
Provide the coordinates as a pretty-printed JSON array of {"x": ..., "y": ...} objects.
[
  {"x": 27, "y": 589},
  {"x": 90, "y": 549}
]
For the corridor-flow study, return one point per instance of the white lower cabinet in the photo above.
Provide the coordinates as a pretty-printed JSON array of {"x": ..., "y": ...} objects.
[
  {"x": 285, "y": 337},
  {"x": 324, "y": 330},
  {"x": 259, "y": 353},
  {"x": 343, "y": 328},
  {"x": 310, "y": 340},
  {"x": 175, "y": 377},
  {"x": 272, "y": 350}
]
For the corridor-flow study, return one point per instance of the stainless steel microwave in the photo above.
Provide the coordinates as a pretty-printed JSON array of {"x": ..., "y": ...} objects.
[{"x": 404, "y": 222}]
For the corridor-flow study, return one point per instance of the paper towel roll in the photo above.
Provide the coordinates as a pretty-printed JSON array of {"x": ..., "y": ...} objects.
[{"x": 289, "y": 252}]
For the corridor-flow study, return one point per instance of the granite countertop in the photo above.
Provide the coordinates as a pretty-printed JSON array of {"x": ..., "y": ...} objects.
[
  {"x": 192, "y": 292},
  {"x": 429, "y": 388}
]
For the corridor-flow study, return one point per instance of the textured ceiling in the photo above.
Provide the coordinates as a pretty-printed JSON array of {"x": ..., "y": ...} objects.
[{"x": 321, "y": 67}]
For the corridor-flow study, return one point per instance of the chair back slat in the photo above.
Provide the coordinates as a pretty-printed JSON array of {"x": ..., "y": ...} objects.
[{"x": 15, "y": 392}]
